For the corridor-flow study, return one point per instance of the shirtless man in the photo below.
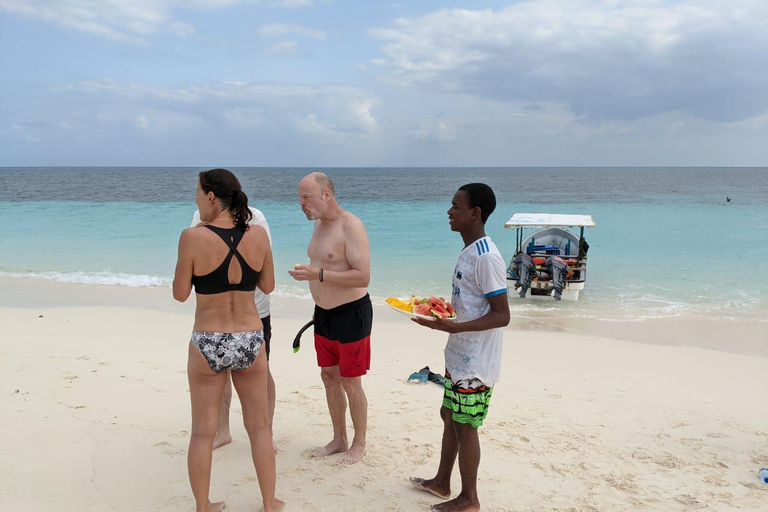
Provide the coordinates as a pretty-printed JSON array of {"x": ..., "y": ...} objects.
[{"x": 338, "y": 275}]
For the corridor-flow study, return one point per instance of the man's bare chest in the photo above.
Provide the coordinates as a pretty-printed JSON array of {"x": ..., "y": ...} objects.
[{"x": 326, "y": 245}]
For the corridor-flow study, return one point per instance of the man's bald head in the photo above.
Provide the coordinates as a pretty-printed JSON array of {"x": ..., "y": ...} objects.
[{"x": 322, "y": 181}]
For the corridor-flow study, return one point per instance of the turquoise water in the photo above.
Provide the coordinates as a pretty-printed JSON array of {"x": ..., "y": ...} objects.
[{"x": 661, "y": 255}]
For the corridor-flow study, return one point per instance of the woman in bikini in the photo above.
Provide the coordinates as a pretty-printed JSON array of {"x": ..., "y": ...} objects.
[{"x": 225, "y": 260}]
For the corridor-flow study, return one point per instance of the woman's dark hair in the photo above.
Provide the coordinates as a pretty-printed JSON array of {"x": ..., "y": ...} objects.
[
  {"x": 482, "y": 196},
  {"x": 226, "y": 187}
]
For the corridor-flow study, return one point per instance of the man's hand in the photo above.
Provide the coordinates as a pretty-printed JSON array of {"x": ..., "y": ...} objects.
[
  {"x": 305, "y": 273},
  {"x": 437, "y": 324}
]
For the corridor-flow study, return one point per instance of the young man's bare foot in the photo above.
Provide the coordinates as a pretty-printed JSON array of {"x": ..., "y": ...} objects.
[
  {"x": 215, "y": 507},
  {"x": 331, "y": 448},
  {"x": 353, "y": 455},
  {"x": 277, "y": 506},
  {"x": 221, "y": 440},
  {"x": 421, "y": 484},
  {"x": 458, "y": 504}
]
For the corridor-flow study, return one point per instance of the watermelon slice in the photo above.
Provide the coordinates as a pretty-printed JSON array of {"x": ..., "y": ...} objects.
[
  {"x": 422, "y": 309},
  {"x": 438, "y": 314}
]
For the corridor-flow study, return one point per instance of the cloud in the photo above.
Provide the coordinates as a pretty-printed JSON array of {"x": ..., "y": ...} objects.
[
  {"x": 243, "y": 105},
  {"x": 283, "y": 48},
  {"x": 283, "y": 29},
  {"x": 124, "y": 21},
  {"x": 293, "y": 4},
  {"x": 602, "y": 59},
  {"x": 181, "y": 29},
  {"x": 438, "y": 129}
]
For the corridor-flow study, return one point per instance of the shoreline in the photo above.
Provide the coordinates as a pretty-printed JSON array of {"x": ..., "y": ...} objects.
[{"x": 740, "y": 336}]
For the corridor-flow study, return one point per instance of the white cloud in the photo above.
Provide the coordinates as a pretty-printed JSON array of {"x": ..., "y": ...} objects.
[
  {"x": 293, "y": 4},
  {"x": 602, "y": 59},
  {"x": 438, "y": 129},
  {"x": 125, "y": 21},
  {"x": 284, "y": 29},
  {"x": 245, "y": 105},
  {"x": 181, "y": 29},
  {"x": 141, "y": 122},
  {"x": 283, "y": 48}
]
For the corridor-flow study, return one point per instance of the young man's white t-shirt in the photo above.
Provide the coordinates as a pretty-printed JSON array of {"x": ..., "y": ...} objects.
[
  {"x": 479, "y": 274},
  {"x": 258, "y": 219}
]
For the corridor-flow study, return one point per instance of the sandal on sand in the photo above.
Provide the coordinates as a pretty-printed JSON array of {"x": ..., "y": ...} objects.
[
  {"x": 419, "y": 377},
  {"x": 436, "y": 378}
]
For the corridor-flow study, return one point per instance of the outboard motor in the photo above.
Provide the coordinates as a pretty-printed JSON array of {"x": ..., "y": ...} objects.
[
  {"x": 526, "y": 270},
  {"x": 558, "y": 269}
]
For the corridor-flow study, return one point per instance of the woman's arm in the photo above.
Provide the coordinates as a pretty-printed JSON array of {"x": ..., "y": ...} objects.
[
  {"x": 182, "y": 279},
  {"x": 267, "y": 274}
]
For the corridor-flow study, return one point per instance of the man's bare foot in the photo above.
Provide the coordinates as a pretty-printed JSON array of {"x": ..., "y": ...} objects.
[
  {"x": 353, "y": 455},
  {"x": 215, "y": 507},
  {"x": 221, "y": 439},
  {"x": 330, "y": 448},
  {"x": 421, "y": 484},
  {"x": 277, "y": 506},
  {"x": 458, "y": 504}
]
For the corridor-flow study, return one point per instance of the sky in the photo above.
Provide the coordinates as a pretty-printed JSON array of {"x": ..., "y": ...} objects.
[{"x": 332, "y": 83}]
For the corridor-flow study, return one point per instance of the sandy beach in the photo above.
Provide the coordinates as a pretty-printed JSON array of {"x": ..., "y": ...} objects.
[{"x": 96, "y": 416}]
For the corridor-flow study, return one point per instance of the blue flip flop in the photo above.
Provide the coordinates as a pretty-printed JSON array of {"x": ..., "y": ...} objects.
[{"x": 419, "y": 377}]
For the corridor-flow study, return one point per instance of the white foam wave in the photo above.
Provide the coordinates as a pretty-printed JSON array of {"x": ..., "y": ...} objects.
[{"x": 106, "y": 278}]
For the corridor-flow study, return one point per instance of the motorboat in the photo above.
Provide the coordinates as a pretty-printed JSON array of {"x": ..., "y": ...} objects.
[{"x": 549, "y": 262}]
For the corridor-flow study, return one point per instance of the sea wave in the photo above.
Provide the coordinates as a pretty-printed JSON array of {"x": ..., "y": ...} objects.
[{"x": 105, "y": 277}]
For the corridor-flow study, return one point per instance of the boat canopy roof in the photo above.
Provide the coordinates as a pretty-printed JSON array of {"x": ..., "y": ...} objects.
[{"x": 523, "y": 220}]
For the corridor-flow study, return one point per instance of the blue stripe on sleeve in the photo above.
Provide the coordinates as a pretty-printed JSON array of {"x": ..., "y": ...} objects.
[{"x": 495, "y": 293}]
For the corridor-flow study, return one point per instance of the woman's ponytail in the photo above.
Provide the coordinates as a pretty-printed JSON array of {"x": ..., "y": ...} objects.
[
  {"x": 226, "y": 187},
  {"x": 239, "y": 209}
]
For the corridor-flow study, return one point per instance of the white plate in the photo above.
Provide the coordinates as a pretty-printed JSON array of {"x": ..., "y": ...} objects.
[{"x": 414, "y": 315}]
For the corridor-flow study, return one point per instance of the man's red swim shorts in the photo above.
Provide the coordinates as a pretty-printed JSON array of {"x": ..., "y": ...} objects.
[{"x": 343, "y": 337}]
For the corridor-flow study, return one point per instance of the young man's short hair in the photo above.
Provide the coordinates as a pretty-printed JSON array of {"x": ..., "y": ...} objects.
[{"x": 480, "y": 195}]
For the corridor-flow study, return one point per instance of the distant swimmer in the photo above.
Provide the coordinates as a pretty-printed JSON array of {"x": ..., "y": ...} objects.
[{"x": 727, "y": 199}]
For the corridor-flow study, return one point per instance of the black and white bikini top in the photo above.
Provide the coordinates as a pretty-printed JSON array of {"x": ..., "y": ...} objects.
[{"x": 218, "y": 280}]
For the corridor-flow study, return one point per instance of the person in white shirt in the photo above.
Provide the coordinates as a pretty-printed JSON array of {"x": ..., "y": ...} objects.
[
  {"x": 473, "y": 351},
  {"x": 223, "y": 435}
]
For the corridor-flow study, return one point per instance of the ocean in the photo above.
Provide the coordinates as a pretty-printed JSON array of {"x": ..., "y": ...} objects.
[{"x": 666, "y": 243}]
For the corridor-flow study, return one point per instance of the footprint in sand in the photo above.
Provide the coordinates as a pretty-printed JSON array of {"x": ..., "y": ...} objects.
[
  {"x": 686, "y": 499},
  {"x": 162, "y": 443},
  {"x": 716, "y": 481},
  {"x": 105, "y": 363},
  {"x": 174, "y": 453},
  {"x": 83, "y": 358},
  {"x": 71, "y": 377},
  {"x": 181, "y": 433},
  {"x": 245, "y": 481},
  {"x": 717, "y": 435}
]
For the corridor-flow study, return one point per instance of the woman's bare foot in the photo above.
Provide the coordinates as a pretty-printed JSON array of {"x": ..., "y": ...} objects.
[
  {"x": 458, "y": 504},
  {"x": 277, "y": 506},
  {"x": 421, "y": 484},
  {"x": 329, "y": 449},
  {"x": 221, "y": 439},
  {"x": 354, "y": 454}
]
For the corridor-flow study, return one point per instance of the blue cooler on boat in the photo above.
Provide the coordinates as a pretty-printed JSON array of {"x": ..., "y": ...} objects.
[{"x": 547, "y": 249}]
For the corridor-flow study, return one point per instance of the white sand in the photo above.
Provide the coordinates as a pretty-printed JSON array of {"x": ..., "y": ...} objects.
[{"x": 96, "y": 418}]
